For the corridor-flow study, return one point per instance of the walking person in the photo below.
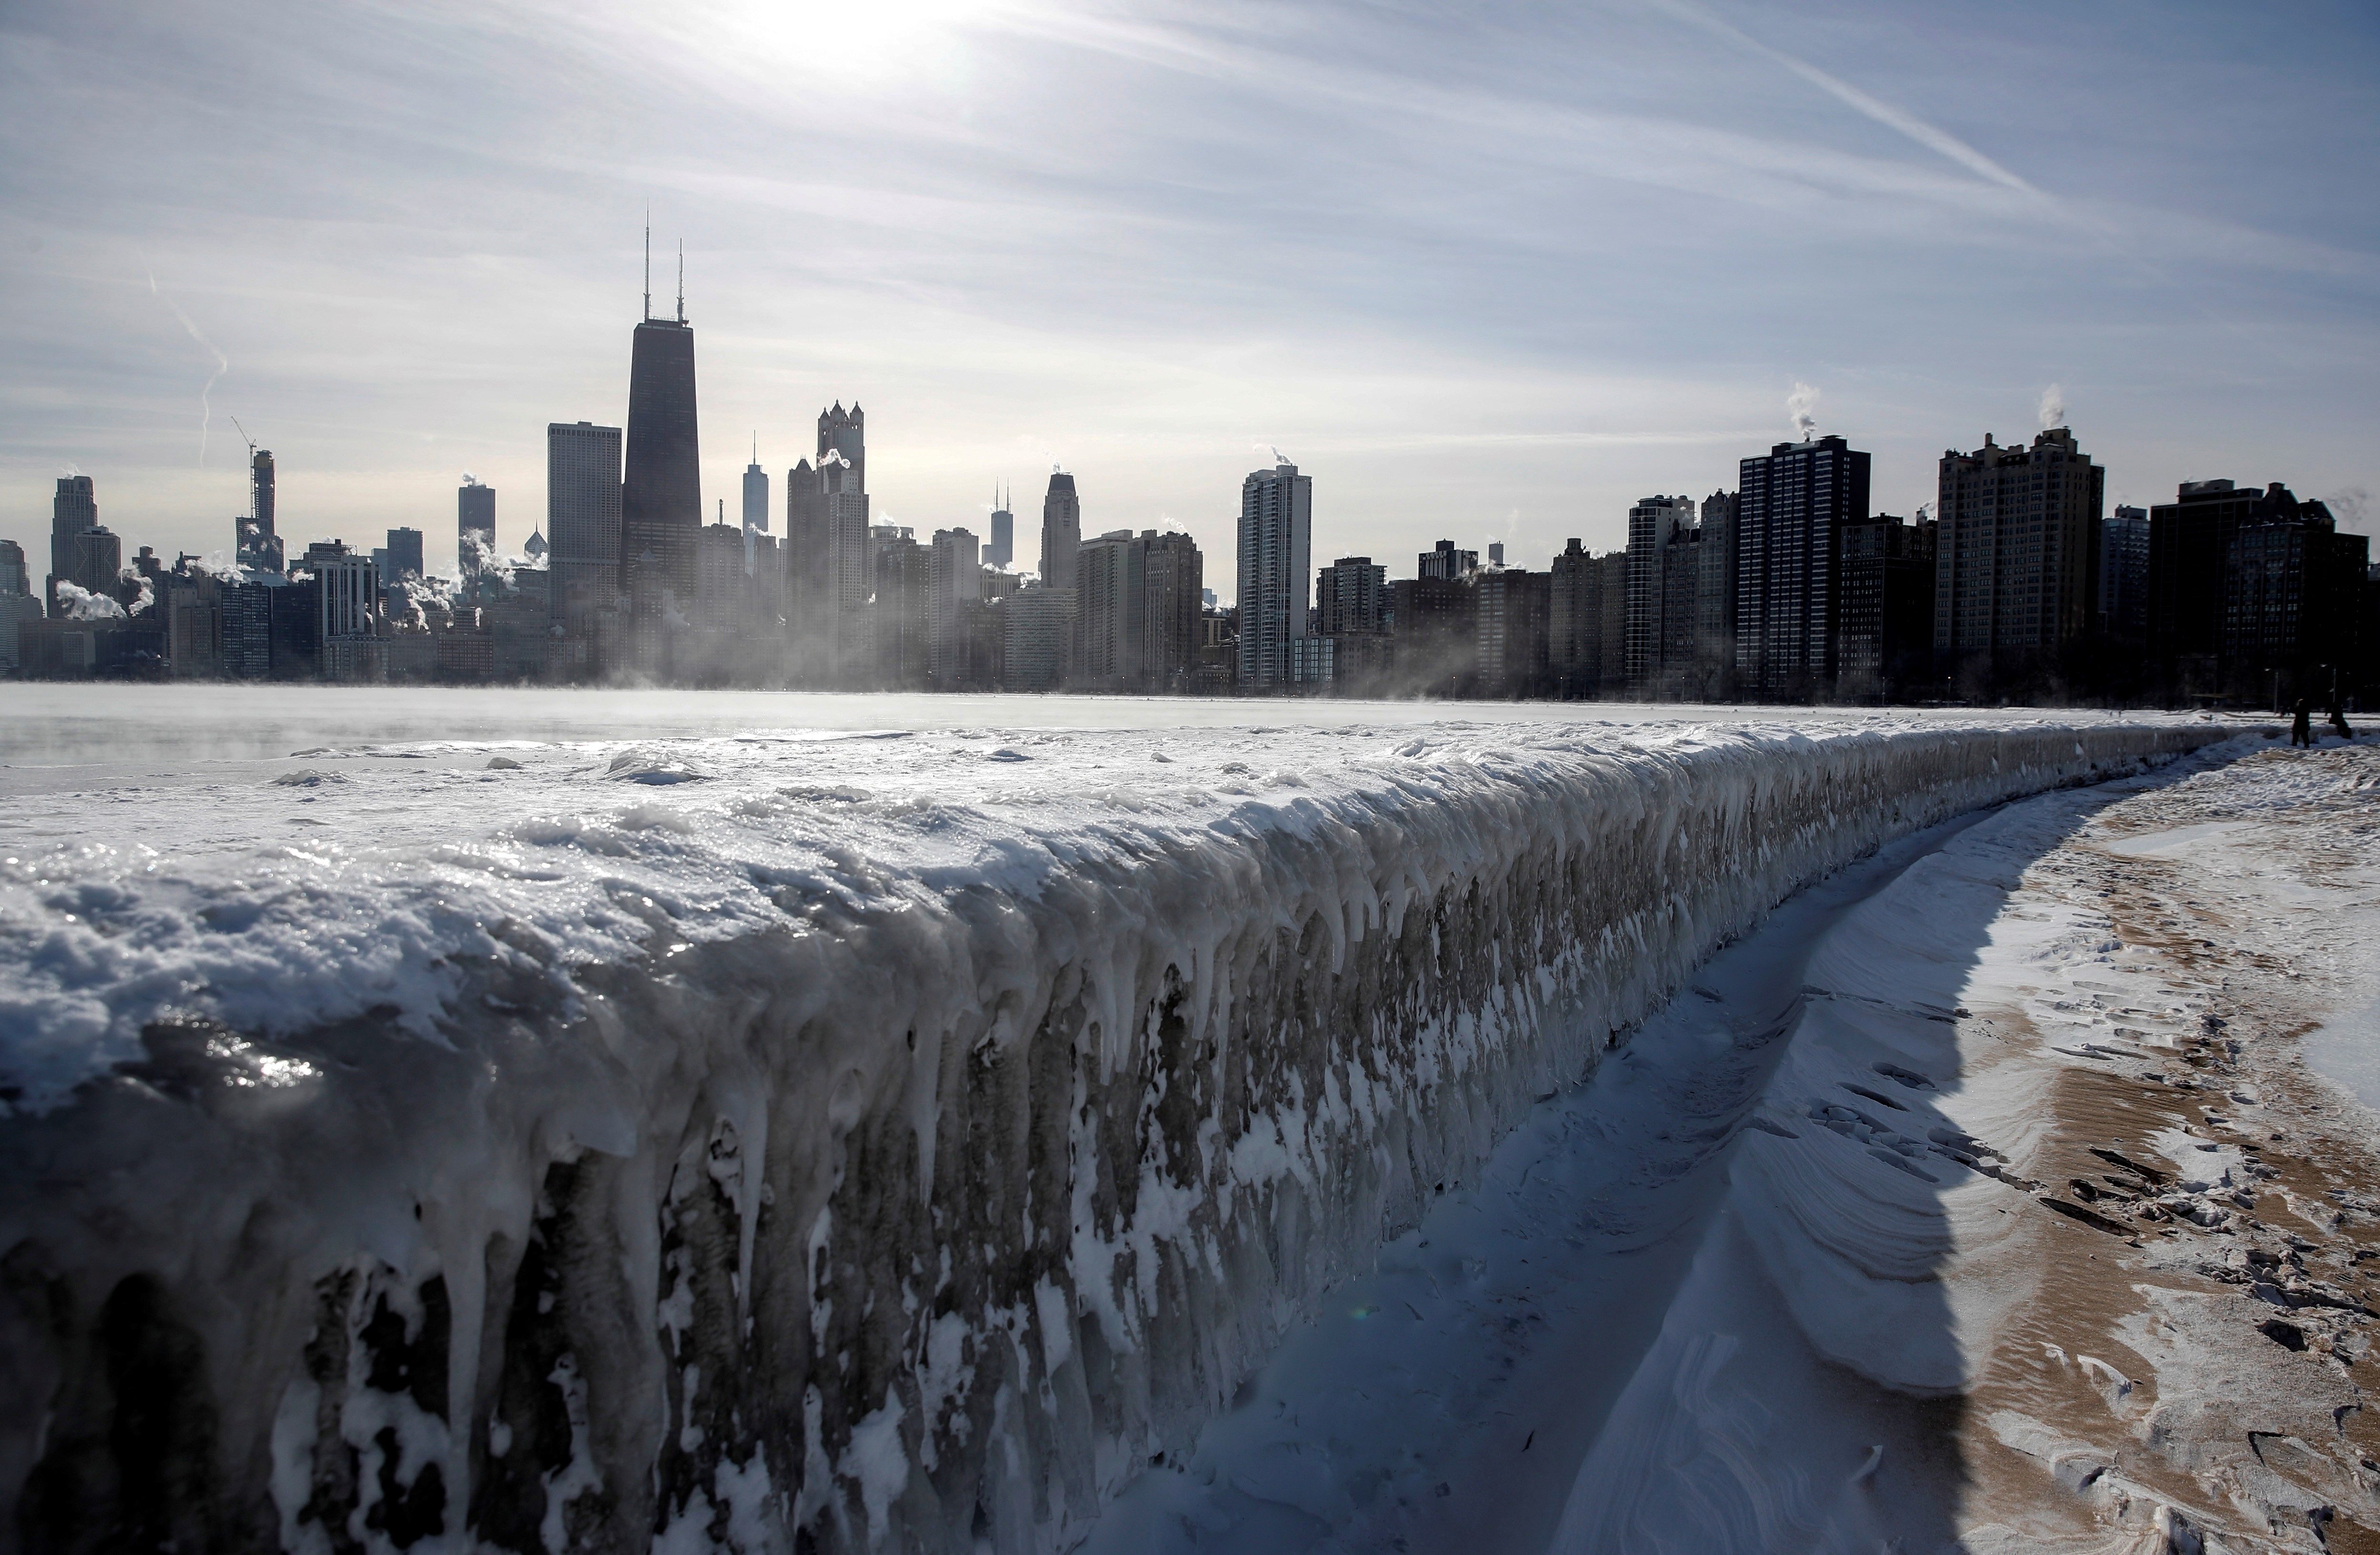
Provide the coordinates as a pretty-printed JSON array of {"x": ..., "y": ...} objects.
[{"x": 2302, "y": 727}]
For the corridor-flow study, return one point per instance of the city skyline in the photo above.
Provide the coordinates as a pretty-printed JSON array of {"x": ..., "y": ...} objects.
[{"x": 1440, "y": 387}]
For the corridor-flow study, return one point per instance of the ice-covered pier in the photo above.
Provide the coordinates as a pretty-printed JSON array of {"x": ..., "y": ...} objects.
[{"x": 887, "y": 1140}]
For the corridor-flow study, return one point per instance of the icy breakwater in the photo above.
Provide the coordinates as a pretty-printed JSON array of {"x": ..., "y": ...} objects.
[{"x": 774, "y": 1144}]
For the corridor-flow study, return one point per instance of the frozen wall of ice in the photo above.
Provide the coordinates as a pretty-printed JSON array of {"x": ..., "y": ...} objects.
[{"x": 918, "y": 1219}]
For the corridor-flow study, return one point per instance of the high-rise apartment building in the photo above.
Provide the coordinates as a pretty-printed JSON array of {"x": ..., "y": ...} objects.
[
  {"x": 1351, "y": 598},
  {"x": 2124, "y": 576},
  {"x": 1675, "y": 672},
  {"x": 1275, "y": 545},
  {"x": 1575, "y": 621},
  {"x": 1512, "y": 622},
  {"x": 954, "y": 586},
  {"x": 582, "y": 522},
  {"x": 2293, "y": 591},
  {"x": 2016, "y": 559},
  {"x": 1040, "y": 627},
  {"x": 1172, "y": 590},
  {"x": 2190, "y": 543},
  {"x": 901, "y": 615},
  {"x": 1789, "y": 505},
  {"x": 1062, "y": 531},
  {"x": 1651, "y": 523},
  {"x": 1715, "y": 598},
  {"x": 1884, "y": 618},
  {"x": 475, "y": 522},
  {"x": 14, "y": 579},
  {"x": 1445, "y": 561},
  {"x": 661, "y": 489},
  {"x": 1000, "y": 550},
  {"x": 1109, "y": 575},
  {"x": 1435, "y": 622}
]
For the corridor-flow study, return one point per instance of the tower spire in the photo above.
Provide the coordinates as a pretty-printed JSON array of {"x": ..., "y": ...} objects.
[
  {"x": 649, "y": 262},
  {"x": 681, "y": 280}
]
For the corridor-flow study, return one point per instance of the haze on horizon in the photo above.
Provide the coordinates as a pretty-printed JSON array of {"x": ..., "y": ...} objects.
[{"x": 1487, "y": 275}]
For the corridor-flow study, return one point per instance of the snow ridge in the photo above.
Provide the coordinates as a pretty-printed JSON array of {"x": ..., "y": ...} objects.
[{"x": 899, "y": 1201}]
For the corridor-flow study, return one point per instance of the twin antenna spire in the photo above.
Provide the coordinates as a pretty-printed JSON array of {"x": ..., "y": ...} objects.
[{"x": 648, "y": 271}]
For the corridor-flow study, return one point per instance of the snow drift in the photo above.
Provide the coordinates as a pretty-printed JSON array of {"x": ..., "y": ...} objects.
[{"x": 797, "y": 1165}]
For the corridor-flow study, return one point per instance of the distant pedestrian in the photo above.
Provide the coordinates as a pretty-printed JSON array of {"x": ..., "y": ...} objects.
[
  {"x": 2338, "y": 721},
  {"x": 2302, "y": 727}
]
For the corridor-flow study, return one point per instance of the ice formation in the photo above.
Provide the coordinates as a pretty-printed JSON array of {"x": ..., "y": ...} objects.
[{"x": 851, "y": 1144}]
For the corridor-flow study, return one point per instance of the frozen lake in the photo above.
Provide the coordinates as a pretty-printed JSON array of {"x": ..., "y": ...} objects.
[{"x": 163, "y": 732}]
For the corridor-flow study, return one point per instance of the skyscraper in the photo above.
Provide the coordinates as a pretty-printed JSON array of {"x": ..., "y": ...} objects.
[
  {"x": 845, "y": 433},
  {"x": 582, "y": 521},
  {"x": 2124, "y": 576},
  {"x": 1062, "y": 531},
  {"x": 475, "y": 524},
  {"x": 1792, "y": 500},
  {"x": 256, "y": 544},
  {"x": 1001, "y": 549},
  {"x": 404, "y": 554},
  {"x": 1276, "y": 535},
  {"x": 1884, "y": 620},
  {"x": 1172, "y": 584},
  {"x": 1715, "y": 598},
  {"x": 2016, "y": 559},
  {"x": 1351, "y": 595},
  {"x": 756, "y": 494},
  {"x": 1445, "y": 561},
  {"x": 661, "y": 490},
  {"x": 1574, "y": 620},
  {"x": 1651, "y": 523},
  {"x": 954, "y": 584},
  {"x": 850, "y": 571},
  {"x": 1109, "y": 574},
  {"x": 73, "y": 510}
]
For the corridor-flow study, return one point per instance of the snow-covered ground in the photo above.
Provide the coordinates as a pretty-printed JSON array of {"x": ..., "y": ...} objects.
[
  {"x": 896, "y": 1133},
  {"x": 1986, "y": 1198}
]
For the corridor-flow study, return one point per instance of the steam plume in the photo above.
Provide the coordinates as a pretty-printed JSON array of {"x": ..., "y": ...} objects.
[
  {"x": 2052, "y": 408},
  {"x": 1802, "y": 405}
]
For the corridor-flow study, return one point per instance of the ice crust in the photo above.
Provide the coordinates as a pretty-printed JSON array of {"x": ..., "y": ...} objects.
[{"x": 889, "y": 1139}]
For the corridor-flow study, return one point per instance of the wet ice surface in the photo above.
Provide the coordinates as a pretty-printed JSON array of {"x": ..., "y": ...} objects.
[{"x": 2348, "y": 1051}]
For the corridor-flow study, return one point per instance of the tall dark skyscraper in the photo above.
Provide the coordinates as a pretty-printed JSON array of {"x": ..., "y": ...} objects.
[
  {"x": 475, "y": 513},
  {"x": 73, "y": 510},
  {"x": 1792, "y": 502},
  {"x": 259, "y": 543},
  {"x": 1000, "y": 551},
  {"x": 661, "y": 490}
]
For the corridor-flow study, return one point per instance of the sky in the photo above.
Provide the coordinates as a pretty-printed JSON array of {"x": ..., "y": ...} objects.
[{"x": 1484, "y": 272}]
